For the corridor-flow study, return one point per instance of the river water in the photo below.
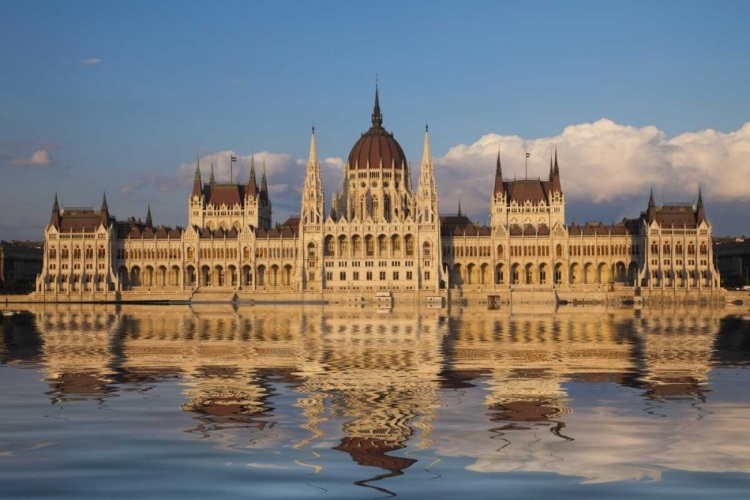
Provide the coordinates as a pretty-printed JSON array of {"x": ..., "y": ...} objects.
[{"x": 317, "y": 402}]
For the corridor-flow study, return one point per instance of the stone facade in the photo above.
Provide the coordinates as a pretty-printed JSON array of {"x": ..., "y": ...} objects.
[{"x": 380, "y": 237}]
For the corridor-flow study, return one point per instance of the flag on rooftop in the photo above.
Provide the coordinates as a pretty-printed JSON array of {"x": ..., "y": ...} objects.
[
  {"x": 528, "y": 154},
  {"x": 233, "y": 158}
]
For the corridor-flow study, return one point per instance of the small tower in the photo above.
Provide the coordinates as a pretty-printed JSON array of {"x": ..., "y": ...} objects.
[
  {"x": 149, "y": 220},
  {"x": 700, "y": 213},
  {"x": 312, "y": 214},
  {"x": 498, "y": 202},
  {"x": 428, "y": 219},
  {"x": 104, "y": 212},
  {"x": 54, "y": 219}
]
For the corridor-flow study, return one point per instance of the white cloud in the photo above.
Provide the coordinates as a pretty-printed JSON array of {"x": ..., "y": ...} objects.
[
  {"x": 604, "y": 162},
  {"x": 40, "y": 158},
  {"x": 90, "y": 62}
]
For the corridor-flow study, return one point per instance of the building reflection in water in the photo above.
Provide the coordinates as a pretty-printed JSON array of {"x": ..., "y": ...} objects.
[{"x": 392, "y": 389}]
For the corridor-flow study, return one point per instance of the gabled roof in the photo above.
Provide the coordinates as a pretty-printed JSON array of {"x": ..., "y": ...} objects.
[
  {"x": 677, "y": 215},
  {"x": 78, "y": 220},
  {"x": 224, "y": 194},
  {"x": 533, "y": 190}
]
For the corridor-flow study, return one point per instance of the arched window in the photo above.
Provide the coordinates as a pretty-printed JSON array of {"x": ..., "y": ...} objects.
[{"x": 426, "y": 249}]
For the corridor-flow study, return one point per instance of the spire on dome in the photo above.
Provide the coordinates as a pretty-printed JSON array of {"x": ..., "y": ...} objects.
[
  {"x": 377, "y": 117},
  {"x": 149, "y": 220}
]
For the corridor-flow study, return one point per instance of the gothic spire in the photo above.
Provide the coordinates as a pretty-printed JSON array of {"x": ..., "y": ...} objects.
[
  {"x": 197, "y": 189},
  {"x": 104, "y": 212},
  {"x": 555, "y": 174},
  {"x": 700, "y": 212},
  {"x": 377, "y": 117},
  {"x": 498, "y": 174},
  {"x": 426, "y": 154},
  {"x": 651, "y": 211},
  {"x": 459, "y": 207},
  {"x": 313, "y": 158},
  {"x": 212, "y": 179},
  {"x": 55, "y": 216},
  {"x": 551, "y": 171},
  {"x": 252, "y": 183},
  {"x": 557, "y": 167},
  {"x": 149, "y": 220},
  {"x": 264, "y": 183}
]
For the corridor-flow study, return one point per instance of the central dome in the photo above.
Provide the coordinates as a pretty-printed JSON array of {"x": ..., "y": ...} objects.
[{"x": 377, "y": 145}]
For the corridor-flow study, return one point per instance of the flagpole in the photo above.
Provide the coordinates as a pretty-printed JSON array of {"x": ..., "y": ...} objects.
[
  {"x": 527, "y": 165},
  {"x": 231, "y": 166}
]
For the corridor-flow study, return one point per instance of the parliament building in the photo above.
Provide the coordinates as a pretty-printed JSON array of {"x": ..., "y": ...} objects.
[{"x": 380, "y": 237}]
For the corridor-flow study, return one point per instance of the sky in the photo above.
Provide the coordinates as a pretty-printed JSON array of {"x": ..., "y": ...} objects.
[{"x": 122, "y": 97}]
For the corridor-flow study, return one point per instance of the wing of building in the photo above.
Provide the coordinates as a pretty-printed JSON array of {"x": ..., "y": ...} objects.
[{"x": 380, "y": 237}]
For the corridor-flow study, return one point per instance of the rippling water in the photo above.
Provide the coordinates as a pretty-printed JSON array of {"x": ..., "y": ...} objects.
[{"x": 315, "y": 402}]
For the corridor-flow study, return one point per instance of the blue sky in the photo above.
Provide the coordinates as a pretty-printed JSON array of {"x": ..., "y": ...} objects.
[{"x": 120, "y": 97}]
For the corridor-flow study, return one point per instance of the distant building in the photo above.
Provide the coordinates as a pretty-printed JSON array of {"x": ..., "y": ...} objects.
[
  {"x": 20, "y": 264},
  {"x": 380, "y": 236},
  {"x": 733, "y": 261}
]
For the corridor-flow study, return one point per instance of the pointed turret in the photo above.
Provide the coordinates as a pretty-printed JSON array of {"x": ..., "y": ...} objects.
[
  {"x": 651, "y": 210},
  {"x": 252, "y": 183},
  {"x": 498, "y": 174},
  {"x": 426, "y": 153},
  {"x": 212, "y": 179},
  {"x": 55, "y": 217},
  {"x": 550, "y": 168},
  {"x": 149, "y": 220},
  {"x": 377, "y": 117},
  {"x": 700, "y": 213},
  {"x": 312, "y": 158},
  {"x": 104, "y": 211},
  {"x": 197, "y": 188},
  {"x": 459, "y": 208},
  {"x": 556, "y": 184},
  {"x": 264, "y": 183}
]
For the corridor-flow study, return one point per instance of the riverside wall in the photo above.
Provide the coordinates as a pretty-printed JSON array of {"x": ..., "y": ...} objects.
[{"x": 489, "y": 299}]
